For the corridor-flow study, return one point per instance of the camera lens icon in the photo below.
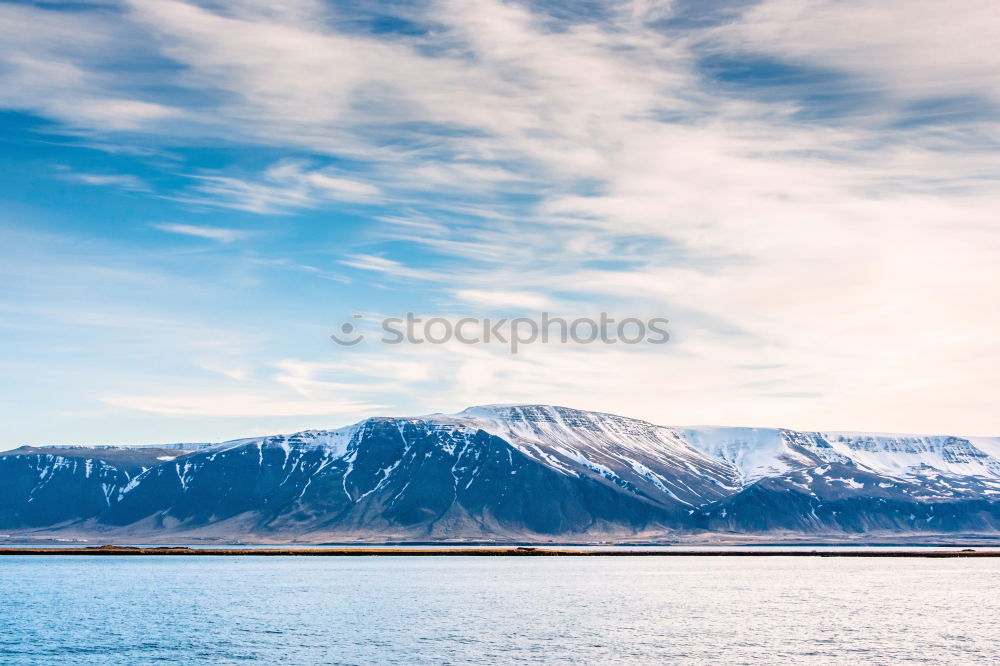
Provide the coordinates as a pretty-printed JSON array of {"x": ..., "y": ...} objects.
[{"x": 349, "y": 338}]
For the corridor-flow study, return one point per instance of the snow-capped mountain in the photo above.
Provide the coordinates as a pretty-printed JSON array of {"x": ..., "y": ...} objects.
[
  {"x": 643, "y": 458},
  {"x": 512, "y": 472}
]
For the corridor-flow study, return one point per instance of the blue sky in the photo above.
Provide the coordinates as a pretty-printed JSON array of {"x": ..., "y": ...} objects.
[{"x": 195, "y": 195}]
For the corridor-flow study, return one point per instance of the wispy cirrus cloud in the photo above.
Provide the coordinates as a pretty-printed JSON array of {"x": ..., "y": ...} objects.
[
  {"x": 212, "y": 233},
  {"x": 283, "y": 187},
  {"x": 123, "y": 181},
  {"x": 526, "y": 301},
  {"x": 391, "y": 268}
]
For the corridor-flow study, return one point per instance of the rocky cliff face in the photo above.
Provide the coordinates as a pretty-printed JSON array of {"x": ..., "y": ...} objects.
[{"x": 508, "y": 472}]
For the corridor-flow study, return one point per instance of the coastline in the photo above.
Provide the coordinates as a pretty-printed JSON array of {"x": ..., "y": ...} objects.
[{"x": 104, "y": 551}]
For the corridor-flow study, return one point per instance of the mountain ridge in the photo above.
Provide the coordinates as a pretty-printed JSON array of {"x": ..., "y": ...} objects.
[{"x": 529, "y": 472}]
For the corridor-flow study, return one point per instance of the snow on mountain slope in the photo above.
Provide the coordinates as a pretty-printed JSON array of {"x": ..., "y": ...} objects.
[
  {"x": 909, "y": 455},
  {"x": 635, "y": 455},
  {"x": 334, "y": 442},
  {"x": 763, "y": 452},
  {"x": 988, "y": 445},
  {"x": 757, "y": 452}
]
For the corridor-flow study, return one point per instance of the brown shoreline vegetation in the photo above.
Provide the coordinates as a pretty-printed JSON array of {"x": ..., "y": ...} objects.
[{"x": 110, "y": 550}]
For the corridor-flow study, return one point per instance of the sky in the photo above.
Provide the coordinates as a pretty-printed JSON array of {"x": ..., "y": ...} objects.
[{"x": 195, "y": 195}]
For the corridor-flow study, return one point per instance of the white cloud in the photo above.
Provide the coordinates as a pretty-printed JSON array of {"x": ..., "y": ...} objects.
[
  {"x": 390, "y": 268},
  {"x": 212, "y": 233},
  {"x": 285, "y": 186},
  {"x": 912, "y": 48},
  {"x": 235, "y": 373},
  {"x": 504, "y": 299},
  {"x": 124, "y": 181}
]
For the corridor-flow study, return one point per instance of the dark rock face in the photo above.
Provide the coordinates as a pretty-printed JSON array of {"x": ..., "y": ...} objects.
[
  {"x": 528, "y": 472},
  {"x": 39, "y": 490}
]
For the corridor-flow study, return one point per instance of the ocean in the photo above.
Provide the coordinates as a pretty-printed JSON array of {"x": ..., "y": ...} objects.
[{"x": 497, "y": 610}]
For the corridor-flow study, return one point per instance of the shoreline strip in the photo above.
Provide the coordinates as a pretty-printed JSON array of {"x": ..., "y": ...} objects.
[{"x": 475, "y": 552}]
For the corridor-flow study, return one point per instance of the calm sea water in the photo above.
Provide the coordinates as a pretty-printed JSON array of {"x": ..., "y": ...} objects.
[{"x": 406, "y": 610}]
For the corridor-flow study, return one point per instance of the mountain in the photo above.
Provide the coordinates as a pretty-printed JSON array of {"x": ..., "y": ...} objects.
[{"x": 522, "y": 472}]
